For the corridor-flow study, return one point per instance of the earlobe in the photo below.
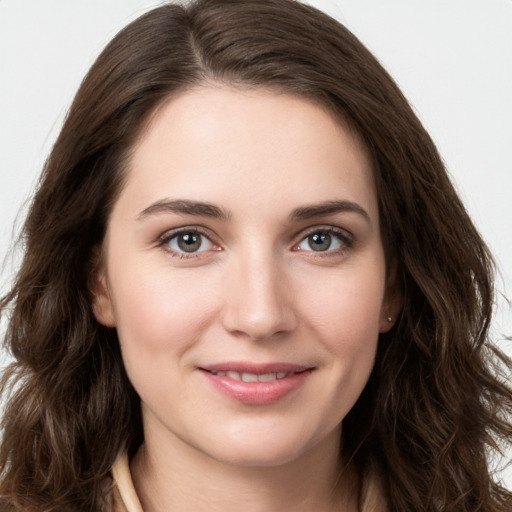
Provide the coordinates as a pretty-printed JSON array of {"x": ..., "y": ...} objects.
[
  {"x": 389, "y": 314},
  {"x": 387, "y": 321},
  {"x": 101, "y": 300},
  {"x": 391, "y": 307}
]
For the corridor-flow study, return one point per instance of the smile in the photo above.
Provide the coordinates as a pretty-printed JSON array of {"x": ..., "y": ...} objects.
[
  {"x": 253, "y": 384},
  {"x": 253, "y": 377}
]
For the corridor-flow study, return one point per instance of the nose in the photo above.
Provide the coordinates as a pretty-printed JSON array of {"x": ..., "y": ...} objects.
[{"x": 258, "y": 299}]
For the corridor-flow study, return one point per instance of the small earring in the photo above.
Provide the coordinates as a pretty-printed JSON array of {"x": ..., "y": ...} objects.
[{"x": 389, "y": 319}]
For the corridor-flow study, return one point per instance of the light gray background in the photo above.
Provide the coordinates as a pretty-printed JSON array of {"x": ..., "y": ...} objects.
[{"x": 452, "y": 58}]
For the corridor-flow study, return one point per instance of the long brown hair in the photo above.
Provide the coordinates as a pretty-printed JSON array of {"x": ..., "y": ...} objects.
[{"x": 435, "y": 406}]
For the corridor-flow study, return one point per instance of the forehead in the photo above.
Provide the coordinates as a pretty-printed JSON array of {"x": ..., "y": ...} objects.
[{"x": 241, "y": 146}]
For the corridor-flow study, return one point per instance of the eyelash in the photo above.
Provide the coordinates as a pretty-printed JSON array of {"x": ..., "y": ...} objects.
[
  {"x": 344, "y": 237},
  {"x": 167, "y": 237}
]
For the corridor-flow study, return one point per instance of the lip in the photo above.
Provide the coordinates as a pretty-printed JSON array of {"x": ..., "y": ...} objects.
[{"x": 256, "y": 393}]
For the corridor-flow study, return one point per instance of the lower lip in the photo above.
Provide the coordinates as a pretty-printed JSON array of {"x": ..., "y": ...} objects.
[{"x": 257, "y": 393}]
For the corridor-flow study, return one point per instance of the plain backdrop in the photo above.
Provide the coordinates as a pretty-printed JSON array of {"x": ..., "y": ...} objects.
[{"x": 452, "y": 59}]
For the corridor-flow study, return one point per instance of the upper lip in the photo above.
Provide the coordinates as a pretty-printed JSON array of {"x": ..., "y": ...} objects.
[{"x": 255, "y": 368}]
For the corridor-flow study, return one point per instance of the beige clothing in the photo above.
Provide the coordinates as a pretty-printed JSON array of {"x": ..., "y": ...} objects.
[{"x": 125, "y": 499}]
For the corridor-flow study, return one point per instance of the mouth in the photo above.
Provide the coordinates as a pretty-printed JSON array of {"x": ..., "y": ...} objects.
[
  {"x": 253, "y": 377},
  {"x": 256, "y": 384}
]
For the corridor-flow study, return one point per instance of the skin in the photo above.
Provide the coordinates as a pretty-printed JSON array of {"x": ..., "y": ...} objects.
[{"x": 256, "y": 291}]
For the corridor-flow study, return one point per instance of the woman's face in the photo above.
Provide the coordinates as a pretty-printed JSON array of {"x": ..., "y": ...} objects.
[{"x": 244, "y": 271}]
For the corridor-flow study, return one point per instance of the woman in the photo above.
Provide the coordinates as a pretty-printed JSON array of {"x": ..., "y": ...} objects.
[{"x": 248, "y": 282}]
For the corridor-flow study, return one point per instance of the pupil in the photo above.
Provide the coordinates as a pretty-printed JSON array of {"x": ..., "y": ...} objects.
[
  {"x": 320, "y": 241},
  {"x": 189, "y": 242}
]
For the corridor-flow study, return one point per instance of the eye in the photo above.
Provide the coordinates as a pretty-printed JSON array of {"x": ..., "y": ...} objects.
[
  {"x": 188, "y": 242},
  {"x": 325, "y": 240}
]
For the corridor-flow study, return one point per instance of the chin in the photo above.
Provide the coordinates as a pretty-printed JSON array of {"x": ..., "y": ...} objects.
[
  {"x": 270, "y": 449},
  {"x": 261, "y": 456}
]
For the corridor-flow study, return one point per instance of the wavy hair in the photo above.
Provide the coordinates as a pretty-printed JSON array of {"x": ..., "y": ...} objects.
[{"x": 437, "y": 404}]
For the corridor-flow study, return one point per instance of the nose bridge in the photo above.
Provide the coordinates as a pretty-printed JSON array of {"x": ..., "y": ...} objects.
[{"x": 258, "y": 302}]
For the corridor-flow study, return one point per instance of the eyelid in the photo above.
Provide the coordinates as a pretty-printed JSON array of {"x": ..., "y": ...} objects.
[
  {"x": 165, "y": 238},
  {"x": 345, "y": 236}
]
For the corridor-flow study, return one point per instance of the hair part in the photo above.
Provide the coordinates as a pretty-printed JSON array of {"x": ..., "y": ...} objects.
[{"x": 433, "y": 406}]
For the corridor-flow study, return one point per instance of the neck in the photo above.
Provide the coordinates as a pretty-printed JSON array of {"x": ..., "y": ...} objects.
[{"x": 175, "y": 476}]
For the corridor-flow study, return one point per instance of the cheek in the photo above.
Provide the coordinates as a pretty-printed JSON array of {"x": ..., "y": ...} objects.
[
  {"x": 159, "y": 319},
  {"x": 343, "y": 314},
  {"x": 159, "y": 311},
  {"x": 346, "y": 305}
]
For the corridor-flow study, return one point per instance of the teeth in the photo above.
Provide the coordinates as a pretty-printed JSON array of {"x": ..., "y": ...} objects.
[
  {"x": 252, "y": 377},
  {"x": 267, "y": 377}
]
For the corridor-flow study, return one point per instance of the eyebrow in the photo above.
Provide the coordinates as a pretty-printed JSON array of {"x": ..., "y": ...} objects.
[
  {"x": 328, "y": 208},
  {"x": 185, "y": 207},
  {"x": 204, "y": 209}
]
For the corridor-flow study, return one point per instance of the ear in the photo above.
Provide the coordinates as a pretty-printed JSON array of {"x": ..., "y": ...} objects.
[
  {"x": 101, "y": 300},
  {"x": 391, "y": 305}
]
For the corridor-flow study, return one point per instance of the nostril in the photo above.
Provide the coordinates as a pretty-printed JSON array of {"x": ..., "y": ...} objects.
[{"x": 257, "y": 303}]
